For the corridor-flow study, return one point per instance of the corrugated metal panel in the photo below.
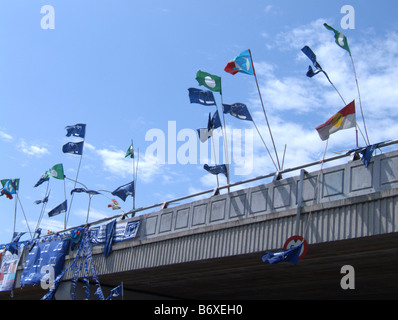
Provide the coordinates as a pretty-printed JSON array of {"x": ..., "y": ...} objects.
[{"x": 338, "y": 223}]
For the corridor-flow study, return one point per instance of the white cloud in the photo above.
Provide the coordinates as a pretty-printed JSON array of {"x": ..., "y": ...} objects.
[
  {"x": 32, "y": 150},
  {"x": 4, "y": 136}
]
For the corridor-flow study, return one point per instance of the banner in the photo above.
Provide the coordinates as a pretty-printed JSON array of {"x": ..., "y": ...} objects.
[
  {"x": 44, "y": 262},
  {"x": 125, "y": 230},
  {"x": 8, "y": 269}
]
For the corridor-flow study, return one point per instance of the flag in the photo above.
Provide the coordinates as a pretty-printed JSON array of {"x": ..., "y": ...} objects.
[
  {"x": 367, "y": 153},
  {"x": 311, "y": 55},
  {"x": 59, "y": 209},
  {"x": 114, "y": 205},
  {"x": 110, "y": 229},
  {"x": 45, "y": 199},
  {"x": 56, "y": 172},
  {"x": 73, "y": 147},
  {"x": 10, "y": 186},
  {"x": 204, "y": 97},
  {"x": 123, "y": 191},
  {"x": 289, "y": 255},
  {"x": 92, "y": 192},
  {"x": 208, "y": 80},
  {"x": 130, "y": 151},
  {"x": 341, "y": 39},
  {"x": 116, "y": 292},
  {"x": 344, "y": 119},
  {"x": 12, "y": 183},
  {"x": 78, "y": 130},
  {"x": 222, "y": 168},
  {"x": 241, "y": 63},
  {"x": 238, "y": 110},
  {"x": 42, "y": 179},
  {"x": 213, "y": 123}
]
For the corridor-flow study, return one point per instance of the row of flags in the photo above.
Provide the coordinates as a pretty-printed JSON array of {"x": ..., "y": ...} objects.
[
  {"x": 57, "y": 172},
  {"x": 242, "y": 63}
]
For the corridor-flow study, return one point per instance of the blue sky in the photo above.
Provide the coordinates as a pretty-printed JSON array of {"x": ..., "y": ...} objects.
[{"x": 123, "y": 68}]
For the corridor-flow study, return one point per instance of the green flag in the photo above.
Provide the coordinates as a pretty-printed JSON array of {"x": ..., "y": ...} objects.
[
  {"x": 208, "y": 80},
  {"x": 56, "y": 171},
  {"x": 341, "y": 39},
  {"x": 130, "y": 151}
]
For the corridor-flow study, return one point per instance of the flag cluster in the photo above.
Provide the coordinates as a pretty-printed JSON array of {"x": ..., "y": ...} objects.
[{"x": 78, "y": 130}]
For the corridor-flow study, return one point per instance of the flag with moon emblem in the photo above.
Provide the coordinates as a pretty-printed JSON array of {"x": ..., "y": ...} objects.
[{"x": 208, "y": 80}]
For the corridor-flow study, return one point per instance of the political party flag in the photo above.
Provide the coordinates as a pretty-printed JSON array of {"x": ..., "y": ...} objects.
[
  {"x": 222, "y": 168},
  {"x": 208, "y": 80},
  {"x": 241, "y": 63},
  {"x": 42, "y": 179},
  {"x": 56, "y": 171},
  {"x": 289, "y": 255},
  {"x": 238, "y": 110},
  {"x": 311, "y": 55},
  {"x": 204, "y": 97},
  {"x": 114, "y": 205},
  {"x": 116, "y": 292},
  {"x": 130, "y": 151},
  {"x": 10, "y": 186},
  {"x": 78, "y": 130},
  {"x": 59, "y": 209},
  {"x": 110, "y": 230},
  {"x": 45, "y": 199},
  {"x": 344, "y": 119},
  {"x": 73, "y": 148},
  {"x": 123, "y": 191},
  {"x": 213, "y": 123},
  {"x": 79, "y": 190},
  {"x": 11, "y": 183},
  {"x": 341, "y": 39},
  {"x": 367, "y": 153}
]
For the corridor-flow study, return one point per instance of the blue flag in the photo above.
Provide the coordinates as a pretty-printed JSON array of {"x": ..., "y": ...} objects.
[
  {"x": 222, "y": 168},
  {"x": 109, "y": 234},
  {"x": 116, "y": 292},
  {"x": 238, "y": 110},
  {"x": 74, "y": 148},
  {"x": 368, "y": 152},
  {"x": 311, "y": 55},
  {"x": 59, "y": 209},
  {"x": 213, "y": 123},
  {"x": 78, "y": 130},
  {"x": 42, "y": 179},
  {"x": 204, "y": 97},
  {"x": 92, "y": 192},
  {"x": 289, "y": 255},
  {"x": 42, "y": 201},
  {"x": 123, "y": 191}
]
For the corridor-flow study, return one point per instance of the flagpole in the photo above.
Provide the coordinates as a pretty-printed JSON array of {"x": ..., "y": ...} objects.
[
  {"x": 356, "y": 127},
  {"x": 224, "y": 130},
  {"x": 132, "y": 144},
  {"x": 23, "y": 212},
  {"x": 88, "y": 209},
  {"x": 77, "y": 175},
  {"x": 43, "y": 207},
  {"x": 262, "y": 104},
  {"x": 71, "y": 200},
  {"x": 360, "y": 101},
  {"x": 135, "y": 176},
  {"x": 215, "y": 159}
]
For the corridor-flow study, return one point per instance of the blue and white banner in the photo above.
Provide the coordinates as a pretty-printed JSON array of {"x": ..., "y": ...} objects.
[
  {"x": 125, "y": 230},
  {"x": 9, "y": 263},
  {"x": 44, "y": 262}
]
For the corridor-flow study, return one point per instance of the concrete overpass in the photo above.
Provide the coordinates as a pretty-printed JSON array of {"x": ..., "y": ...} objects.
[{"x": 211, "y": 248}]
